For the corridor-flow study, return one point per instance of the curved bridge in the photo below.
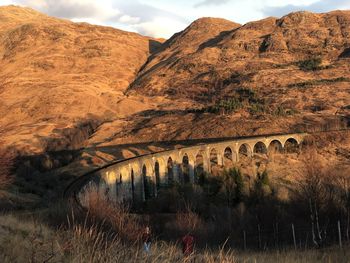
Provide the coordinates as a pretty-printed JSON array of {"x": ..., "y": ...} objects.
[{"x": 139, "y": 178}]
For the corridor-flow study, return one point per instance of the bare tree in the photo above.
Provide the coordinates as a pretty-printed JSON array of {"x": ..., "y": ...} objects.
[
  {"x": 314, "y": 190},
  {"x": 6, "y": 165},
  {"x": 342, "y": 182}
]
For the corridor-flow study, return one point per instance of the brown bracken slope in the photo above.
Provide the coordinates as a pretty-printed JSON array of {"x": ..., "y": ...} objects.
[
  {"x": 258, "y": 65},
  {"x": 114, "y": 87},
  {"x": 55, "y": 74}
]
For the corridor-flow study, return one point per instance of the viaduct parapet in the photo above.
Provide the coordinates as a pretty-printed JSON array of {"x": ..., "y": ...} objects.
[{"x": 140, "y": 178}]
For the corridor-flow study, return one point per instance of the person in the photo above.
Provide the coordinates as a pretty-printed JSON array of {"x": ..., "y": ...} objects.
[
  {"x": 187, "y": 244},
  {"x": 146, "y": 239}
]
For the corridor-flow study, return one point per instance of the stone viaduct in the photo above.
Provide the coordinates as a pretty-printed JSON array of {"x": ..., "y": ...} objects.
[{"x": 139, "y": 178}]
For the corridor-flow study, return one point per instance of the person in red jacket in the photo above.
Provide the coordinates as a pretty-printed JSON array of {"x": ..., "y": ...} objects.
[{"x": 187, "y": 244}]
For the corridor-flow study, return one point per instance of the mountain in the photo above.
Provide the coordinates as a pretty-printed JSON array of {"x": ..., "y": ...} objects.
[
  {"x": 68, "y": 85},
  {"x": 255, "y": 54},
  {"x": 56, "y": 74},
  {"x": 273, "y": 75}
]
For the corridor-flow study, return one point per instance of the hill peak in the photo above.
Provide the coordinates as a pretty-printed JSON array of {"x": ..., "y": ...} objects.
[
  {"x": 18, "y": 13},
  {"x": 199, "y": 31},
  {"x": 211, "y": 21},
  {"x": 12, "y": 16}
]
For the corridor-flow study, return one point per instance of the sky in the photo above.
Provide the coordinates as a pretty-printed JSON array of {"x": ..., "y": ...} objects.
[{"x": 163, "y": 18}]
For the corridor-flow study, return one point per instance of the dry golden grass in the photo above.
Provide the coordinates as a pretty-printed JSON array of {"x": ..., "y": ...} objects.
[
  {"x": 55, "y": 72},
  {"x": 71, "y": 72},
  {"x": 115, "y": 215},
  {"x": 25, "y": 240}
]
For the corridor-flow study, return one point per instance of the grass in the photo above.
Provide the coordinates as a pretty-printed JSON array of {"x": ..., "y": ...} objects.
[{"x": 26, "y": 240}]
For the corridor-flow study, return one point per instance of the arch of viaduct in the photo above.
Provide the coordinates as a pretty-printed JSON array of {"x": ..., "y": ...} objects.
[{"x": 140, "y": 178}]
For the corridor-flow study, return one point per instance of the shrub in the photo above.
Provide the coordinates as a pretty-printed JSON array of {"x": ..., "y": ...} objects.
[
  {"x": 232, "y": 186},
  {"x": 281, "y": 111},
  {"x": 256, "y": 108},
  {"x": 310, "y": 64},
  {"x": 211, "y": 185},
  {"x": 247, "y": 93},
  {"x": 263, "y": 178},
  {"x": 114, "y": 214},
  {"x": 262, "y": 187},
  {"x": 6, "y": 165},
  {"x": 225, "y": 106},
  {"x": 318, "y": 82}
]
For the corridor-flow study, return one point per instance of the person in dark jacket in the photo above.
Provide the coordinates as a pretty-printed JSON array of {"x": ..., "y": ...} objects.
[{"x": 147, "y": 239}]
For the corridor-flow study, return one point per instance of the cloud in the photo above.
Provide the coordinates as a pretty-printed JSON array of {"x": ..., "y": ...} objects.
[
  {"x": 159, "y": 27},
  {"x": 145, "y": 12},
  {"x": 318, "y": 7},
  {"x": 129, "y": 19},
  {"x": 211, "y": 2},
  {"x": 149, "y": 20},
  {"x": 127, "y": 15},
  {"x": 73, "y": 9},
  {"x": 163, "y": 18}
]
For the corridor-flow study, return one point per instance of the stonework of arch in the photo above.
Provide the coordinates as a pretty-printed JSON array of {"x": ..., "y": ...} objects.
[
  {"x": 156, "y": 166},
  {"x": 214, "y": 159},
  {"x": 229, "y": 157},
  {"x": 245, "y": 149},
  {"x": 200, "y": 165},
  {"x": 170, "y": 170},
  {"x": 275, "y": 146},
  {"x": 132, "y": 184},
  {"x": 157, "y": 175},
  {"x": 291, "y": 145},
  {"x": 260, "y": 148}
]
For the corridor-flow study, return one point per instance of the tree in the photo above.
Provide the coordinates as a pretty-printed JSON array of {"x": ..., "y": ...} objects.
[
  {"x": 316, "y": 189},
  {"x": 310, "y": 64},
  {"x": 6, "y": 165},
  {"x": 232, "y": 186},
  {"x": 262, "y": 185}
]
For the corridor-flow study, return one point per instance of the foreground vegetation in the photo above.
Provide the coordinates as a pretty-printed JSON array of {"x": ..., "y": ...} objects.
[
  {"x": 233, "y": 219},
  {"x": 28, "y": 240}
]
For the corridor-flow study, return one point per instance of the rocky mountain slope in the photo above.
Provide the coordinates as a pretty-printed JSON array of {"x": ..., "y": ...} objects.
[
  {"x": 194, "y": 62},
  {"x": 65, "y": 84},
  {"x": 55, "y": 74},
  {"x": 274, "y": 75}
]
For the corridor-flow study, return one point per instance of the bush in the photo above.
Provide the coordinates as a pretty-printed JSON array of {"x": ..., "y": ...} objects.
[
  {"x": 232, "y": 186},
  {"x": 113, "y": 214},
  {"x": 262, "y": 187},
  {"x": 318, "y": 82},
  {"x": 281, "y": 111},
  {"x": 256, "y": 108},
  {"x": 247, "y": 93},
  {"x": 310, "y": 64},
  {"x": 225, "y": 106},
  {"x": 6, "y": 165}
]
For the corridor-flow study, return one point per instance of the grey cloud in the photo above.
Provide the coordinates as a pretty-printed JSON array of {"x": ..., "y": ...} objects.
[
  {"x": 318, "y": 7},
  {"x": 142, "y": 13},
  {"x": 66, "y": 9},
  {"x": 211, "y": 2}
]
